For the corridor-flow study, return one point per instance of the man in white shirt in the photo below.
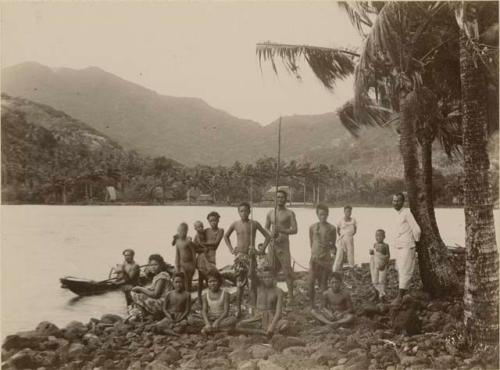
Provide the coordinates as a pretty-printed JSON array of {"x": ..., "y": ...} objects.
[{"x": 407, "y": 233}]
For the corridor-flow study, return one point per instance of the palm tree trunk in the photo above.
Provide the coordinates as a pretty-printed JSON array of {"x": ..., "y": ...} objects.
[
  {"x": 481, "y": 266},
  {"x": 437, "y": 274}
]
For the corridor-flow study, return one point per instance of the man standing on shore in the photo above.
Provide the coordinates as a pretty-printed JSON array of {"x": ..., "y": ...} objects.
[
  {"x": 406, "y": 234},
  {"x": 281, "y": 224}
]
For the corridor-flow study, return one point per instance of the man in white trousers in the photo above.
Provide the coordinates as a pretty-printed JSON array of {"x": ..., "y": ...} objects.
[{"x": 406, "y": 234}]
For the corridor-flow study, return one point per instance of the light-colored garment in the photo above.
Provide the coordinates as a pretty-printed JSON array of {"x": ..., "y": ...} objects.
[
  {"x": 347, "y": 227},
  {"x": 215, "y": 306},
  {"x": 345, "y": 248},
  {"x": 345, "y": 243},
  {"x": 152, "y": 305},
  {"x": 379, "y": 276},
  {"x": 406, "y": 230},
  {"x": 405, "y": 264}
]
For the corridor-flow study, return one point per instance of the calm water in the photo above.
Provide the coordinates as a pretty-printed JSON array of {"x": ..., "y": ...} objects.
[{"x": 40, "y": 244}]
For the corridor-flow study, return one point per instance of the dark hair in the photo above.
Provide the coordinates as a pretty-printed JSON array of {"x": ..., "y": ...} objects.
[
  {"x": 129, "y": 250},
  {"x": 244, "y": 204},
  {"x": 380, "y": 230},
  {"x": 282, "y": 192},
  {"x": 180, "y": 274},
  {"x": 267, "y": 270},
  {"x": 348, "y": 207},
  {"x": 160, "y": 260},
  {"x": 322, "y": 207},
  {"x": 337, "y": 276},
  {"x": 213, "y": 213},
  {"x": 214, "y": 274},
  {"x": 400, "y": 195}
]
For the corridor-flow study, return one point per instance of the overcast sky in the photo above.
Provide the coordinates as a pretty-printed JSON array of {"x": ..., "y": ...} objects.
[{"x": 204, "y": 50}]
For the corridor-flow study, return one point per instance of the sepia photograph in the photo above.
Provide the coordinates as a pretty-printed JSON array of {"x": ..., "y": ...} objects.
[{"x": 249, "y": 185}]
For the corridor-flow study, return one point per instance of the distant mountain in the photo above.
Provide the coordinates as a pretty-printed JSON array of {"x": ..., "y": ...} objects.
[{"x": 185, "y": 129}]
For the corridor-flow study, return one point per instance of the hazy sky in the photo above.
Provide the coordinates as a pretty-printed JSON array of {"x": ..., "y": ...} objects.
[{"x": 197, "y": 49}]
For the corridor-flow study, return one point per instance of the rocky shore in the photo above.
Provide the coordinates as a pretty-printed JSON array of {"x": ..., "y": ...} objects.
[{"x": 421, "y": 334}]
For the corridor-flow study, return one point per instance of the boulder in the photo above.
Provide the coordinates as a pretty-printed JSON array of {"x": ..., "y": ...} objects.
[
  {"x": 136, "y": 365},
  {"x": 297, "y": 351},
  {"x": 74, "y": 330},
  {"x": 192, "y": 364},
  {"x": 46, "y": 328},
  {"x": 216, "y": 363},
  {"x": 169, "y": 355},
  {"x": 248, "y": 365},
  {"x": 444, "y": 362},
  {"x": 269, "y": 365},
  {"x": 91, "y": 339},
  {"x": 46, "y": 358},
  {"x": 280, "y": 342},
  {"x": 157, "y": 365},
  {"x": 239, "y": 355},
  {"x": 110, "y": 318},
  {"x": 261, "y": 351},
  {"x": 24, "y": 359},
  {"x": 28, "y": 339},
  {"x": 75, "y": 350}
]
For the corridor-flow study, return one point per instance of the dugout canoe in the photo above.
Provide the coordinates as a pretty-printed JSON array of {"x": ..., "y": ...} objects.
[{"x": 81, "y": 286}]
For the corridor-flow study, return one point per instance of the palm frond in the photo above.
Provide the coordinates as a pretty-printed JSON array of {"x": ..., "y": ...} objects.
[
  {"x": 373, "y": 115},
  {"x": 328, "y": 64},
  {"x": 359, "y": 13}
]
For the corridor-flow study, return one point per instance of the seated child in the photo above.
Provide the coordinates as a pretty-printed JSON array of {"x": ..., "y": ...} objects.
[
  {"x": 176, "y": 307},
  {"x": 269, "y": 304},
  {"x": 379, "y": 261},
  {"x": 215, "y": 306},
  {"x": 336, "y": 305}
]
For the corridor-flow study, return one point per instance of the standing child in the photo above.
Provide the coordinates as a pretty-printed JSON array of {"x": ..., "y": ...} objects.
[
  {"x": 322, "y": 236},
  {"x": 215, "y": 306},
  {"x": 203, "y": 264},
  {"x": 185, "y": 255},
  {"x": 379, "y": 261},
  {"x": 213, "y": 236},
  {"x": 346, "y": 229}
]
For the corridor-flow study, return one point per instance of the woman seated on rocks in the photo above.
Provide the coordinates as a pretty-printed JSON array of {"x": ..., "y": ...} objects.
[{"x": 149, "y": 299}]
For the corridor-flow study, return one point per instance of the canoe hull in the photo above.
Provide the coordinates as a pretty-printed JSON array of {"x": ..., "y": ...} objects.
[{"x": 84, "y": 287}]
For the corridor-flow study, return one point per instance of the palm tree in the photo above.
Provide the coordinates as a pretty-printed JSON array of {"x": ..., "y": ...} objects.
[
  {"x": 481, "y": 269},
  {"x": 393, "y": 68}
]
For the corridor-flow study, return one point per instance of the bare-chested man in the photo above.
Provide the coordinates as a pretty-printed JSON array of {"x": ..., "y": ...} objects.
[
  {"x": 127, "y": 274},
  {"x": 267, "y": 319},
  {"x": 244, "y": 251},
  {"x": 279, "y": 252},
  {"x": 336, "y": 305}
]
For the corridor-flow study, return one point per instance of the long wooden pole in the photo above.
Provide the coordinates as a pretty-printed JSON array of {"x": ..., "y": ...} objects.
[{"x": 277, "y": 178}]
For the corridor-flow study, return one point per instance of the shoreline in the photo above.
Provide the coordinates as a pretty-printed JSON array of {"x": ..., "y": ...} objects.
[{"x": 375, "y": 341}]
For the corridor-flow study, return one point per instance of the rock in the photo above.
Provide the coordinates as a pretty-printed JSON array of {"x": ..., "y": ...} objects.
[
  {"x": 169, "y": 355},
  {"x": 297, "y": 351},
  {"x": 193, "y": 364},
  {"x": 248, "y": 365},
  {"x": 210, "y": 346},
  {"x": 22, "y": 340},
  {"x": 260, "y": 351},
  {"x": 110, "y": 318},
  {"x": 46, "y": 328},
  {"x": 280, "y": 342},
  {"x": 75, "y": 350},
  {"x": 269, "y": 365},
  {"x": 46, "y": 358},
  {"x": 342, "y": 361},
  {"x": 74, "y": 330},
  {"x": 323, "y": 355},
  {"x": 216, "y": 363},
  {"x": 444, "y": 362},
  {"x": 410, "y": 360},
  {"x": 239, "y": 355},
  {"x": 24, "y": 359},
  {"x": 91, "y": 339},
  {"x": 157, "y": 365}
]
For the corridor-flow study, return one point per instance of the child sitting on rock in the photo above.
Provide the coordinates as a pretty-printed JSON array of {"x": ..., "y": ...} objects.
[
  {"x": 215, "y": 306},
  {"x": 176, "y": 307},
  {"x": 336, "y": 305},
  {"x": 379, "y": 261},
  {"x": 267, "y": 319}
]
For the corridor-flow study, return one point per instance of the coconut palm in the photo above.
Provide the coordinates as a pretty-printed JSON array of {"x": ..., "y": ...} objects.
[
  {"x": 478, "y": 62},
  {"x": 391, "y": 77}
]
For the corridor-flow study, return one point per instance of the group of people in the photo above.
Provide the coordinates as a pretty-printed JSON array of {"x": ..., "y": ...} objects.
[{"x": 167, "y": 296}]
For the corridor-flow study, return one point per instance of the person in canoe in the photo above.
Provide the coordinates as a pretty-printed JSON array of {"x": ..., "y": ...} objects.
[
  {"x": 148, "y": 300},
  {"x": 127, "y": 274}
]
